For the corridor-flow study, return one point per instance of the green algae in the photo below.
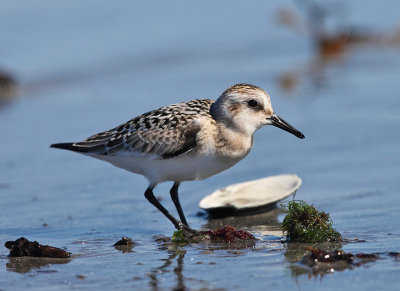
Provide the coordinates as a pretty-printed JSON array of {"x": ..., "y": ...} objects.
[
  {"x": 304, "y": 223},
  {"x": 179, "y": 237}
]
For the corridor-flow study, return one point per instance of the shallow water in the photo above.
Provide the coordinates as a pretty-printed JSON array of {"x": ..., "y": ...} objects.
[{"x": 83, "y": 68}]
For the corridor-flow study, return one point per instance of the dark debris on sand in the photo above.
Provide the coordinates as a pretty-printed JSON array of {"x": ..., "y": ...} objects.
[
  {"x": 322, "y": 262},
  {"x": 124, "y": 241},
  {"x": 125, "y": 245},
  {"x": 23, "y": 247}
]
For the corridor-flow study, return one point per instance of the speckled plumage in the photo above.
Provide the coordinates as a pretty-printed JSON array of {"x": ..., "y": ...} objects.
[
  {"x": 159, "y": 134},
  {"x": 185, "y": 141}
]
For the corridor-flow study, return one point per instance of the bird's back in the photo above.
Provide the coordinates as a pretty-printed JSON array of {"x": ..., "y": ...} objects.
[{"x": 158, "y": 134}]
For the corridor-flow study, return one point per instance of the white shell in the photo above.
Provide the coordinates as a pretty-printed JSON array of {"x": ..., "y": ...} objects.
[{"x": 256, "y": 194}]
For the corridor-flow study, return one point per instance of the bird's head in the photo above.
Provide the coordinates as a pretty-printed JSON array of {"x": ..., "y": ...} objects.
[{"x": 246, "y": 108}]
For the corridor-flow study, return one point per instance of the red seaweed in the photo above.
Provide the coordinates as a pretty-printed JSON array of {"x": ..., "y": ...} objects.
[{"x": 229, "y": 234}]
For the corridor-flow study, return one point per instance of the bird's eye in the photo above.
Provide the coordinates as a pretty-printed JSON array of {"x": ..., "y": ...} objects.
[{"x": 252, "y": 103}]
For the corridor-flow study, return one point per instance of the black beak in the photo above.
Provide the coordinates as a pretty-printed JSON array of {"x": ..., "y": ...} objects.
[{"x": 282, "y": 124}]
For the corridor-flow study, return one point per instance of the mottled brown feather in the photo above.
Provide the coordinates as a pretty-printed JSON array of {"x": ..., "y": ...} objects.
[{"x": 165, "y": 132}]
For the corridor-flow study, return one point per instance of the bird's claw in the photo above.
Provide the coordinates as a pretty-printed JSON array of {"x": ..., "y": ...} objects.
[{"x": 187, "y": 230}]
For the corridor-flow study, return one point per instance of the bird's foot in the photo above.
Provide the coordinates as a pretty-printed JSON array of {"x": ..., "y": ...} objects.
[{"x": 187, "y": 231}]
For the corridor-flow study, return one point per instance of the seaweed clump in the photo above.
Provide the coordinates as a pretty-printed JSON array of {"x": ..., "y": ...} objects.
[
  {"x": 227, "y": 234},
  {"x": 304, "y": 223}
]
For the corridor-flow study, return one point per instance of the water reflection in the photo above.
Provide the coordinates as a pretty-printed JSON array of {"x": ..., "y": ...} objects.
[
  {"x": 26, "y": 264},
  {"x": 177, "y": 256},
  {"x": 124, "y": 249}
]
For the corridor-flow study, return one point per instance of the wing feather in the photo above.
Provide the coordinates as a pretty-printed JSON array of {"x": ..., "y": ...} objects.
[{"x": 162, "y": 133}]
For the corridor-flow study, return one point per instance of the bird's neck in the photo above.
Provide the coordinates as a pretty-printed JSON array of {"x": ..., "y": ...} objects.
[{"x": 231, "y": 143}]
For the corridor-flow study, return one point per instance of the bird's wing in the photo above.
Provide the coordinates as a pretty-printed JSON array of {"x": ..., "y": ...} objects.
[{"x": 163, "y": 133}]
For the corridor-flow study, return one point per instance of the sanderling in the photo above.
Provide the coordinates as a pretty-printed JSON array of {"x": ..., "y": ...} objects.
[{"x": 186, "y": 141}]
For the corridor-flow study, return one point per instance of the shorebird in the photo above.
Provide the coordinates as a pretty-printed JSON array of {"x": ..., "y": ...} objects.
[{"x": 185, "y": 141}]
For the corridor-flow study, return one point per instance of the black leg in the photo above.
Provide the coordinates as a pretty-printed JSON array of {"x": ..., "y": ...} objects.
[
  {"x": 153, "y": 200},
  {"x": 175, "y": 199}
]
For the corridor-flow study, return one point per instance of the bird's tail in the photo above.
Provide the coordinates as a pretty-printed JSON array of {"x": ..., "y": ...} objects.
[{"x": 70, "y": 146}]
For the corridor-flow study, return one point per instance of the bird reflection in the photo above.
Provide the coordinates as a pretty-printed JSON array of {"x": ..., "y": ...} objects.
[{"x": 177, "y": 256}]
